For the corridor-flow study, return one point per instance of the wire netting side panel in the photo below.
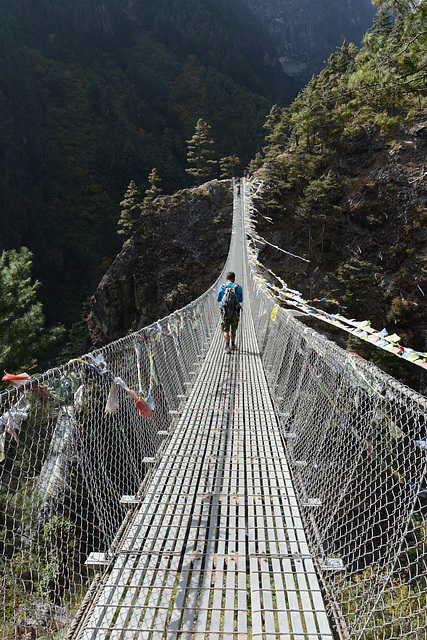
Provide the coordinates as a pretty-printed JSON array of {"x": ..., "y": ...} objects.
[
  {"x": 356, "y": 442},
  {"x": 72, "y": 443}
]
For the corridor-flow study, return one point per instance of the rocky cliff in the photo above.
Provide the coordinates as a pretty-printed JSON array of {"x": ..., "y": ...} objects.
[
  {"x": 381, "y": 221},
  {"x": 169, "y": 261},
  {"x": 306, "y": 32}
]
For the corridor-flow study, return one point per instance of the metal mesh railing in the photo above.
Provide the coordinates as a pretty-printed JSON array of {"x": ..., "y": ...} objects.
[
  {"x": 356, "y": 443},
  {"x": 72, "y": 443},
  {"x": 77, "y": 439}
]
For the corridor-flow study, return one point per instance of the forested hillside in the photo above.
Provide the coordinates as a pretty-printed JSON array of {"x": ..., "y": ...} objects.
[
  {"x": 345, "y": 173},
  {"x": 96, "y": 94}
]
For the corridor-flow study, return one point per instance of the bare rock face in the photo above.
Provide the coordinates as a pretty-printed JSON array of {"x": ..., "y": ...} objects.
[
  {"x": 382, "y": 221},
  {"x": 169, "y": 261},
  {"x": 306, "y": 32},
  {"x": 385, "y": 207}
]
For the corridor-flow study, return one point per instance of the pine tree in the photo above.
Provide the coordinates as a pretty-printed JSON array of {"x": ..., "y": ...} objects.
[
  {"x": 228, "y": 166},
  {"x": 130, "y": 216},
  {"x": 390, "y": 68},
  {"x": 257, "y": 162},
  {"x": 397, "y": 6},
  {"x": 383, "y": 24},
  {"x": 274, "y": 126},
  {"x": 353, "y": 282},
  {"x": 200, "y": 152},
  {"x": 318, "y": 209},
  {"x": 151, "y": 193},
  {"x": 23, "y": 336}
]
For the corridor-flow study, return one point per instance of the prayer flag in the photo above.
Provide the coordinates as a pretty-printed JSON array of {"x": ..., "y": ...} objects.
[
  {"x": 143, "y": 408},
  {"x": 112, "y": 404},
  {"x": 274, "y": 313},
  {"x": 10, "y": 428},
  {"x": 2, "y": 443}
]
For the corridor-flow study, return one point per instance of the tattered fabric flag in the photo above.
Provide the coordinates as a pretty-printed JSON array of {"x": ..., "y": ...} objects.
[
  {"x": 42, "y": 391},
  {"x": 143, "y": 408},
  {"x": 121, "y": 383},
  {"x": 153, "y": 374},
  {"x": 98, "y": 361},
  {"x": 395, "y": 431},
  {"x": 20, "y": 377},
  {"x": 393, "y": 338},
  {"x": 112, "y": 404},
  {"x": 369, "y": 448},
  {"x": 2, "y": 443},
  {"x": 61, "y": 389},
  {"x": 79, "y": 397},
  {"x": 18, "y": 412},
  {"x": 138, "y": 363},
  {"x": 10, "y": 427},
  {"x": 150, "y": 402},
  {"x": 274, "y": 313},
  {"x": 9, "y": 424}
]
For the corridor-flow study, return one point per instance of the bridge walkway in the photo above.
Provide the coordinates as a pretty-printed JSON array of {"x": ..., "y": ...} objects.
[{"x": 215, "y": 548}]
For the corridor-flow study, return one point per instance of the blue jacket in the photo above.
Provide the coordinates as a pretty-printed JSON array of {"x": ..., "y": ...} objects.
[{"x": 239, "y": 291}]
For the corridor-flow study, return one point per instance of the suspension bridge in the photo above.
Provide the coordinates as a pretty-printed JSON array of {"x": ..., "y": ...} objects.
[{"x": 160, "y": 488}]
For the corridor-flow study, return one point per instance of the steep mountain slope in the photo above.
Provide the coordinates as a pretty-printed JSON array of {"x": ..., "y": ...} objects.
[
  {"x": 377, "y": 219},
  {"x": 305, "y": 32},
  {"x": 166, "y": 264},
  {"x": 96, "y": 93},
  {"x": 345, "y": 176}
]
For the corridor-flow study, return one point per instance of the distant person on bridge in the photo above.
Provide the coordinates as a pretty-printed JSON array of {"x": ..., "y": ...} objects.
[{"x": 230, "y": 295}]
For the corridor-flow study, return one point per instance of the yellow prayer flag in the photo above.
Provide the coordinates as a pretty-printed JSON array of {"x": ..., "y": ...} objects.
[
  {"x": 274, "y": 313},
  {"x": 393, "y": 338}
]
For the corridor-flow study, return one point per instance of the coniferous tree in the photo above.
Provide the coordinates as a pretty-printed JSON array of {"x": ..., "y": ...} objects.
[
  {"x": 396, "y": 6},
  {"x": 257, "y": 162},
  {"x": 275, "y": 125},
  {"x": 228, "y": 166},
  {"x": 201, "y": 152},
  {"x": 390, "y": 70},
  {"x": 353, "y": 282},
  {"x": 151, "y": 193},
  {"x": 23, "y": 336},
  {"x": 130, "y": 216},
  {"x": 318, "y": 209}
]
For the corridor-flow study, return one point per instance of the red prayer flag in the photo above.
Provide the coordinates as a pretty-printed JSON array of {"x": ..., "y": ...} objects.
[
  {"x": 9, "y": 428},
  {"x": 143, "y": 408},
  {"x": 20, "y": 377}
]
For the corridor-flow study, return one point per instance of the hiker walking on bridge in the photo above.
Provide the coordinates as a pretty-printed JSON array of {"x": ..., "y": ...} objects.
[{"x": 230, "y": 295}]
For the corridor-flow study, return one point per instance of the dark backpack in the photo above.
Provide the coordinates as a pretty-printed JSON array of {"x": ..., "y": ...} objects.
[{"x": 230, "y": 306}]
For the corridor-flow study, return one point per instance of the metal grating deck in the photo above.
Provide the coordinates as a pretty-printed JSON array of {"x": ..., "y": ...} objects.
[{"x": 216, "y": 549}]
